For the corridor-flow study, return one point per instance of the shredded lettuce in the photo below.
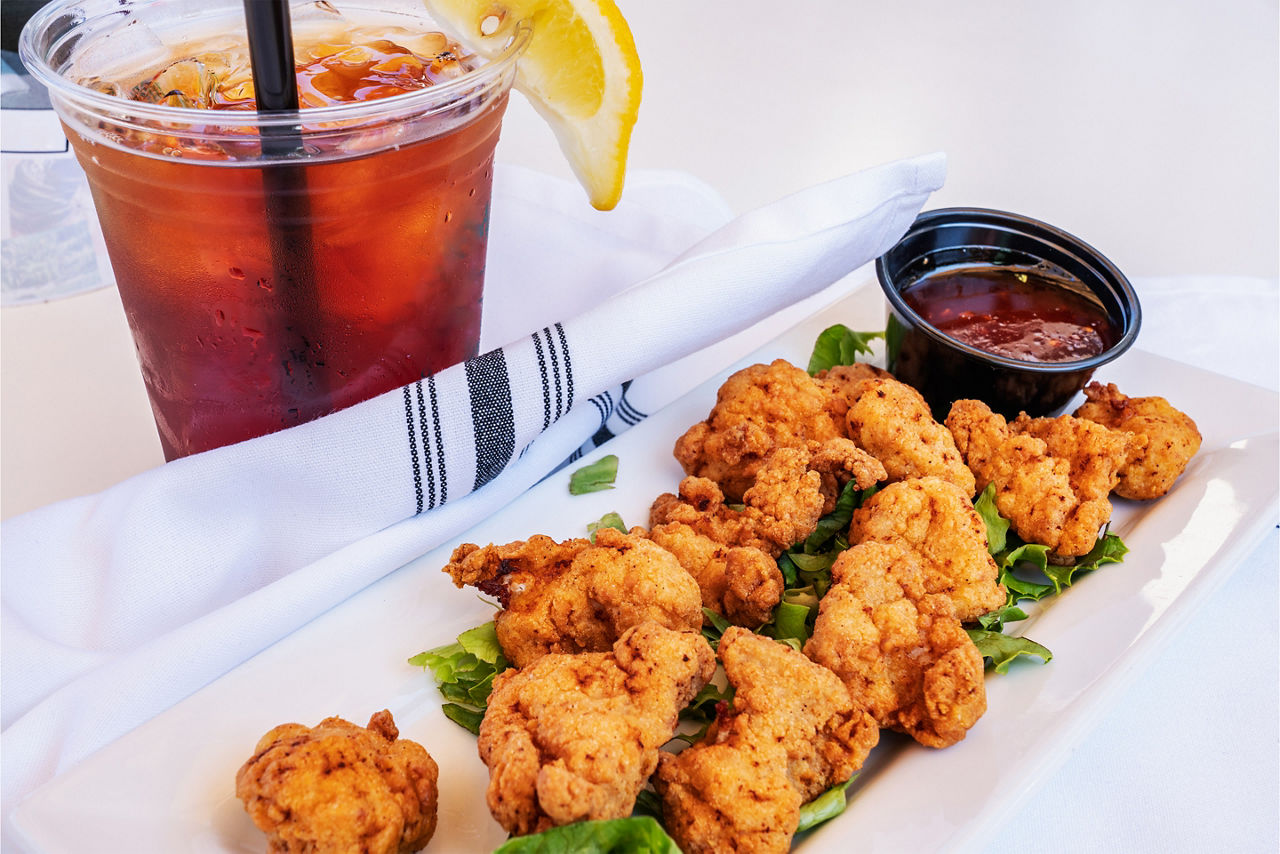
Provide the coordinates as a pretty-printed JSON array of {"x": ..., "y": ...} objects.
[
  {"x": 997, "y": 525},
  {"x": 713, "y": 627},
  {"x": 839, "y": 345},
  {"x": 595, "y": 476},
  {"x": 464, "y": 671},
  {"x": 790, "y": 623},
  {"x": 608, "y": 520},
  {"x": 702, "y": 710},
  {"x": 834, "y": 526},
  {"x": 825, "y": 807},
  {"x": 1003, "y": 649},
  {"x": 648, "y": 803},
  {"x": 1028, "y": 576},
  {"x": 634, "y": 835}
]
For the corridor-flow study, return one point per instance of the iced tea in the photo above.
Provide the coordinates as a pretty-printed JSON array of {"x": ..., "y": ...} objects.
[{"x": 263, "y": 292}]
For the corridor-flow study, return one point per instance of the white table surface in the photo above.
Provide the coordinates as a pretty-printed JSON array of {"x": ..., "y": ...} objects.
[{"x": 1150, "y": 129}]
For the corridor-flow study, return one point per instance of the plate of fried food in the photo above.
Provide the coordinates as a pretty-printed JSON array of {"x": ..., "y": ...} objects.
[{"x": 783, "y": 613}]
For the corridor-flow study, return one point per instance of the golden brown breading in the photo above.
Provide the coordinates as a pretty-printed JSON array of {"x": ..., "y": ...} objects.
[
  {"x": 840, "y": 461},
  {"x": 758, "y": 409},
  {"x": 792, "y": 732},
  {"x": 699, "y": 504},
  {"x": 1171, "y": 438},
  {"x": 743, "y": 584},
  {"x": 781, "y": 508},
  {"x": 339, "y": 787},
  {"x": 729, "y": 796},
  {"x": 574, "y": 737},
  {"x": 1033, "y": 488},
  {"x": 934, "y": 518},
  {"x": 901, "y": 651},
  {"x": 891, "y": 421},
  {"x": 1094, "y": 454},
  {"x": 575, "y": 596},
  {"x": 732, "y": 552},
  {"x": 842, "y": 383}
]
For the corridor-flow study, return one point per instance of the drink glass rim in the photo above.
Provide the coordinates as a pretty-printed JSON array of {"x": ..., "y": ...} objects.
[{"x": 34, "y": 58}]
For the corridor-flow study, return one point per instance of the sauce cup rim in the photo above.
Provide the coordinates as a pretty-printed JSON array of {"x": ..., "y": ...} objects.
[{"x": 1042, "y": 233}]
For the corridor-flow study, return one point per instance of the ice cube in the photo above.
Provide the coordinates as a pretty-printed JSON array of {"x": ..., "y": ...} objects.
[
  {"x": 185, "y": 83},
  {"x": 428, "y": 45},
  {"x": 111, "y": 57}
]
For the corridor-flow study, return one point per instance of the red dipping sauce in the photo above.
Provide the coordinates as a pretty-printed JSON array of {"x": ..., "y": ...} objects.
[{"x": 1017, "y": 314}]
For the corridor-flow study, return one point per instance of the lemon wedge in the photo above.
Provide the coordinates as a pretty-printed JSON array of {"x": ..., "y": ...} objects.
[{"x": 580, "y": 71}]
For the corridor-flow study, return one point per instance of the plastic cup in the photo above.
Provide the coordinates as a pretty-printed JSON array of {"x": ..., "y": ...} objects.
[
  {"x": 267, "y": 287},
  {"x": 945, "y": 369}
]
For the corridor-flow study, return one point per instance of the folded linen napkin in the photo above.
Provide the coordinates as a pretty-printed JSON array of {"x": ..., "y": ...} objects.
[{"x": 117, "y": 605}]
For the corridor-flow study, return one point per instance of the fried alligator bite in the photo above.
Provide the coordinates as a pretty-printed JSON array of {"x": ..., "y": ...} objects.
[
  {"x": 842, "y": 382},
  {"x": 576, "y": 596},
  {"x": 900, "y": 650},
  {"x": 339, "y": 787},
  {"x": 782, "y": 506},
  {"x": 742, "y": 584},
  {"x": 732, "y": 552},
  {"x": 891, "y": 421},
  {"x": 1167, "y": 438},
  {"x": 575, "y": 737},
  {"x": 935, "y": 519},
  {"x": 1094, "y": 455},
  {"x": 758, "y": 409},
  {"x": 1052, "y": 479},
  {"x": 791, "y": 732}
]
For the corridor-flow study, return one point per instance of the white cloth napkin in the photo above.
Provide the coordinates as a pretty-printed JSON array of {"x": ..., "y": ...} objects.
[{"x": 119, "y": 604}]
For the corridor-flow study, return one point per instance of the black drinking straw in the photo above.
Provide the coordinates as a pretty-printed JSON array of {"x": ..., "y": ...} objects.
[
  {"x": 287, "y": 206},
  {"x": 271, "y": 54}
]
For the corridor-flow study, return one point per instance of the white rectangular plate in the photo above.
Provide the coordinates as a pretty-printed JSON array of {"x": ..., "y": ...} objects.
[{"x": 168, "y": 785}]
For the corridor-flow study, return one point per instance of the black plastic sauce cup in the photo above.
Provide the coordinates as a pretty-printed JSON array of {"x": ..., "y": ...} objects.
[{"x": 944, "y": 369}]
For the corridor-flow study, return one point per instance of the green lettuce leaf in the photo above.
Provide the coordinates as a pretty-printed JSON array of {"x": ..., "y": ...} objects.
[
  {"x": 464, "y": 671},
  {"x": 634, "y": 835},
  {"x": 839, "y": 345},
  {"x": 997, "y": 525},
  {"x": 813, "y": 563},
  {"x": 1108, "y": 549},
  {"x": 594, "y": 477},
  {"x": 1003, "y": 649},
  {"x": 790, "y": 572},
  {"x": 482, "y": 642},
  {"x": 468, "y": 719},
  {"x": 608, "y": 520},
  {"x": 790, "y": 622},
  {"x": 808, "y": 564},
  {"x": 1027, "y": 575},
  {"x": 1020, "y": 569},
  {"x": 703, "y": 705},
  {"x": 995, "y": 620},
  {"x": 648, "y": 803},
  {"x": 836, "y": 523},
  {"x": 702, "y": 710},
  {"x": 713, "y": 627},
  {"x": 825, "y": 807}
]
